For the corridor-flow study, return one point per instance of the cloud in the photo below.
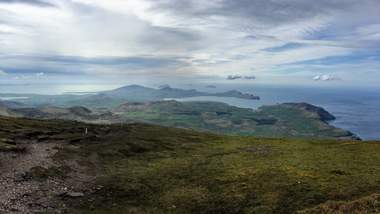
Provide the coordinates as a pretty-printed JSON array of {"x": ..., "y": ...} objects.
[
  {"x": 29, "y": 2},
  {"x": 236, "y": 77},
  {"x": 324, "y": 77},
  {"x": 127, "y": 39},
  {"x": 269, "y": 12},
  {"x": 72, "y": 64},
  {"x": 2, "y": 73}
]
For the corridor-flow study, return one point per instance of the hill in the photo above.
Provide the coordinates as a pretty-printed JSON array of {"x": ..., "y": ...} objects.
[
  {"x": 283, "y": 120},
  {"x": 140, "y": 93},
  {"x": 51, "y": 112},
  {"x": 11, "y": 104},
  {"x": 54, "y": 166}
]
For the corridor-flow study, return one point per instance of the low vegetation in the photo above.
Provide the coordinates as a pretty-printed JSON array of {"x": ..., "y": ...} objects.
[{"x": 140, "y": 168}]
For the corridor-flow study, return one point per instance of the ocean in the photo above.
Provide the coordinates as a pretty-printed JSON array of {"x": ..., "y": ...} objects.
[{"x": 356, "y": 110}]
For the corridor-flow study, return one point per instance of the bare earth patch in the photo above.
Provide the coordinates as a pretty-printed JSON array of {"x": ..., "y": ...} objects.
[{"x": 31, "y": 181}]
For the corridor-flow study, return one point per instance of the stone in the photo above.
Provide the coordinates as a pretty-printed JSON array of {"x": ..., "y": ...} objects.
[{"x": 74, "y": 194}]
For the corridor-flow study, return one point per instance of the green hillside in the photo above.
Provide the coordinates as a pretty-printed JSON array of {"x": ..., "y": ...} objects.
[
  {"x": 282, "y": 120},
  {"x": 140, "y": 168},
  {"x": 300, "y": 120}
]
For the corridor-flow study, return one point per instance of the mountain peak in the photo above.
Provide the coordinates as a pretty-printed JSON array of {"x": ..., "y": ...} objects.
[{"x": 134, "y": 86}]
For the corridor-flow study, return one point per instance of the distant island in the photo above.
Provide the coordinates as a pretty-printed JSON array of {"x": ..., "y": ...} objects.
[
  {"x": 141, "y": 93},
  {"x": 113, "y": 98}
]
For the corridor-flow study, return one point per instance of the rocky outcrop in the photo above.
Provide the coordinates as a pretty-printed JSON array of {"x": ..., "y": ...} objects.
[{"x": 238, "y": 94}]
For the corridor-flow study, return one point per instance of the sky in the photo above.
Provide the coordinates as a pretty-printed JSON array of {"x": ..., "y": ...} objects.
[{"x": 116, "y": 42}]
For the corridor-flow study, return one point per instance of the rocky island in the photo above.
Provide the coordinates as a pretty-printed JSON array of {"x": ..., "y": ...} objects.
[{"x": 237, "y": 94}]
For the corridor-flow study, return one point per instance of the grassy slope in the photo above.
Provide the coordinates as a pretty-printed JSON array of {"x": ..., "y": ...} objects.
[
  {"x": 151, "y": 169},
  {"x": 236, "y": 175}
]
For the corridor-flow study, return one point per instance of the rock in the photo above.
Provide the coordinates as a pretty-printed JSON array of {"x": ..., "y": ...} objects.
[
  {"x": 73, "y": 194},
  {"x": 237, "y": 94},
  {"x": 13, "y": 209},
  {"x": 22, "y": 176}
]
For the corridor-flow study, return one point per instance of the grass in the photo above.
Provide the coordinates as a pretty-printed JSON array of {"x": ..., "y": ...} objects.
[
  {"x": 368, "y": 204},
  {"x": 7, "y": 146},
  {"x": 157, "y": 170},
  {"x": 153, "y": 169}
]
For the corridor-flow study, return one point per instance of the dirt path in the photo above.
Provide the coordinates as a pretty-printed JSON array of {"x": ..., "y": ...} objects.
[{"x": 21, "y": 193}]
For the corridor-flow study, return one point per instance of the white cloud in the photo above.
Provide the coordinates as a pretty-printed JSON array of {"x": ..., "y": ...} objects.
[
  {"x": 2, "y": 73},
  {"x": 325, "y": 77}
]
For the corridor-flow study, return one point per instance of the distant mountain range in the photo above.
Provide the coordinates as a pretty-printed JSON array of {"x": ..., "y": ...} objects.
[
  {"x": 113, "y": 98},
  {"x": 141, "y": 93}
]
